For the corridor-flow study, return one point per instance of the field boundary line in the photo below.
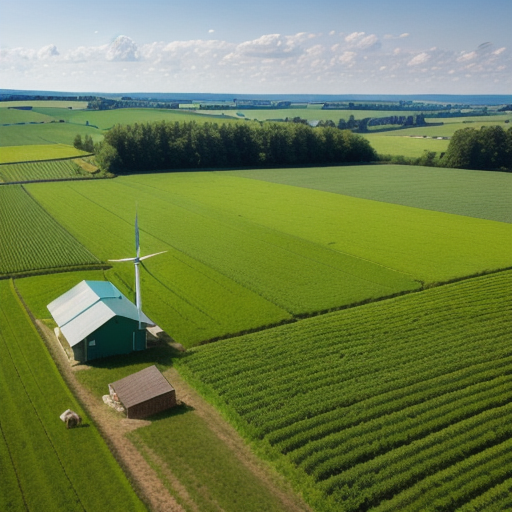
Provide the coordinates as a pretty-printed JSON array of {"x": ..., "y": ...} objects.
[
  {"x": 46, "y": 159},
  {"x": 14, "y": 468}
]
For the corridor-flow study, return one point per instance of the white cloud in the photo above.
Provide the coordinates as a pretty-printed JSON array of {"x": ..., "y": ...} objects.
[
  {"x": 211, "y": 31},
  {"x": 300, "y": 62},
  {"x": 122, "y": 49},
  {"x": 419, "y": 59}
]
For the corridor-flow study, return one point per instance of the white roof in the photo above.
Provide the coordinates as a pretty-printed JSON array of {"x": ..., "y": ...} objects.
[{"x": 89, "y": 305}]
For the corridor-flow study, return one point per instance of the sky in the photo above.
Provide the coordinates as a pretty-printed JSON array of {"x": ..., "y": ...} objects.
[{"x": 263, "y": 47}]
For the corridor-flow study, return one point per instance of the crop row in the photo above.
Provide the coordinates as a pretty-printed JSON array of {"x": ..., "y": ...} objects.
[
  {"x": 31, "y": 239},
  {"x": 416, "y": 420},
  {"x": 452, "y": 487},
  {"x": 369, "y": 402},
  {"x": 44, "y": 461},
  {"x": 366, "y": 485},
  {"x": 267, "y": 395},
  {"x": 305, "y": 432},
  {"x": 496, "y": 499},
  {"x": 401, "y": 322},
  {"x": 341, "y": 452},
  {"x": 45, "y": 170}
]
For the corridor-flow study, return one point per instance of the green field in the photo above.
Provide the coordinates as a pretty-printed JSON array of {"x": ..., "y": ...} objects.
[
  {"x": 14, "y": 154},
  {"x": 43, "y": 170},
  {"x": 472, "y": 193},
  {"x": 311, "y": 114},
  {"x": 399, "y": 405},
  {"x": 31, "y": 239},
  {"x": 243, "y": 254},
  {"x": 11, "y": 116},
  {"x": 46, "y": 467},
  {"x": 42, "y": 134},
  {"x": 105, "y": 119},
  {"x": 407, "y": 146},
  {"x": 63, "y": 104}
]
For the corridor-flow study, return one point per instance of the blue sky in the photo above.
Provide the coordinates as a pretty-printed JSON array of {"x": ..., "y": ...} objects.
[{"x": 279, "y": 46}]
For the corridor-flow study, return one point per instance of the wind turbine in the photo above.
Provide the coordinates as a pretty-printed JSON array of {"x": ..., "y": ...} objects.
[{"x": 136, "y": 261}]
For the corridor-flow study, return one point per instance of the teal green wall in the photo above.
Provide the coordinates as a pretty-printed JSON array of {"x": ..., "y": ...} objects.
[{"x": 114, "y": 337}]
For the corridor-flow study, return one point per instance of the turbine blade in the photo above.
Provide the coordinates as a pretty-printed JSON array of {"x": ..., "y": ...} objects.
[
  {"x": 150, "y": 255},
  {"x": 125, "y": 259},
  {"x": 137, "y": 246}
]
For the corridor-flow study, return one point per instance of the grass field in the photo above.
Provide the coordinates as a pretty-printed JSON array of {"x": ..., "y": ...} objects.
[
  {"x": 105, "y": 119},
  {"x": 448, "y": 129},
  {"x": 11, "y": 116},
  {"x": 48, "y": 133},
  {"x": 399, "y": 144},
  {"x": 44, "y": 170},
  {"x": 311, "y": 114},
  {"x": 479, "y": 194},
  {"x": 63, "y": 104},
  {"x": 14, "y": 154},
  {"x": 399, "y": 405},
  {"x": 32, "y": 240},
  {"x": 45, "y": 466},
  {"x": 243, "y": 253}
]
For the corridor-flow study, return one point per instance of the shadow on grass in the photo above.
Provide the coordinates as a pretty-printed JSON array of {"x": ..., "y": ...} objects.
[
  {"x": 161, "y": 355},
  {"x": 178, "y": 410}
]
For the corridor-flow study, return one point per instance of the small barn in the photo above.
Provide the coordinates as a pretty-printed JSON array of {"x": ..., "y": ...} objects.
[
  {"x": 97, "y": 321},
  {"x": 143, "y": 393}
]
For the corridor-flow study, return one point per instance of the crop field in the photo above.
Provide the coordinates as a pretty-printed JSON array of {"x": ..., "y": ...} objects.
[
  {"x": 43, "y": 170},
  {"x": 408, "y": 146},
  {"x": 14, "y": 154},
  {"x": 446, "y": 130},
  {"x": 11, "y": 116},
  {"x": 311, "y": 114},
  {"x": 63, "y": 104},
  {"x": 105, "y": 119},
  {"x": 43, "y": 134},
  {"x": 243, "y": 254},
  {"x": 462, "y": 192},
  {"x": 42, "y": 462},
  {"x": 32, "y": 240},
  {"x": 399, "y": 405}
]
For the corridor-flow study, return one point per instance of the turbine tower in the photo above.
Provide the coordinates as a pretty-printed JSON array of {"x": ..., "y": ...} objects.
[{"x": 136, "y": 261}]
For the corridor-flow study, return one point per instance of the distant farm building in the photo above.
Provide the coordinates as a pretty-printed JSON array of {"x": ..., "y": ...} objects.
[
  {"x": 97, "y": 321},
  {"x": 144, "y": 393}
]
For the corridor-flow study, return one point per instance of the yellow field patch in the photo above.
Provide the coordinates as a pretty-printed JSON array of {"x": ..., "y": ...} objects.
[
  {"x": 86, "y": 166},
  {"x": 14, "y": 154}
]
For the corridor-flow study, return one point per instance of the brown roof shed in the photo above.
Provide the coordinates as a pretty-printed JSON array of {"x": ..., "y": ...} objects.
[{"x": 144, "y": 393}]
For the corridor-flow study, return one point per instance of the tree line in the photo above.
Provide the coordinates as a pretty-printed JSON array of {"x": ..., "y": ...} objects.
[
  {"x": 486, "y": 149},
  {"x": 189, "y": 145}
]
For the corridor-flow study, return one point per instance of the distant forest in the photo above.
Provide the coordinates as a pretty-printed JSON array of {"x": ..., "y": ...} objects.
[{"x": 188, "y": 145}]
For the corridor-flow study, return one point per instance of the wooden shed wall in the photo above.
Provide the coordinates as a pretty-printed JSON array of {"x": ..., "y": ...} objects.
[{"x": 152, "y": 406}]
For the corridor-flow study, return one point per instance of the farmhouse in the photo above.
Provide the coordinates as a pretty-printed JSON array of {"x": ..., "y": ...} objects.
[
  {"x": 143, "y": 393},
  {"x": 98, "y": 321}
]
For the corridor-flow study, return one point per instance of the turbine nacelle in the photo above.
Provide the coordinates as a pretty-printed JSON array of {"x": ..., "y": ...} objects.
[{"x": 136, "y": 262}]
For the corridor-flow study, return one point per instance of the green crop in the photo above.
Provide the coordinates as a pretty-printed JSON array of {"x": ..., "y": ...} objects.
[
  {"x": 44, "y": 170},
  {"x": 44, "y": 465},
  {"x": 471, "y": 193},
  {"x": 13, "y": 154},
  {"x": 243, "y": 254},
  {"x": 408, "y": 146},
  {"x": 31, "y": 239},
  {"x": 398, "y": 405}
]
